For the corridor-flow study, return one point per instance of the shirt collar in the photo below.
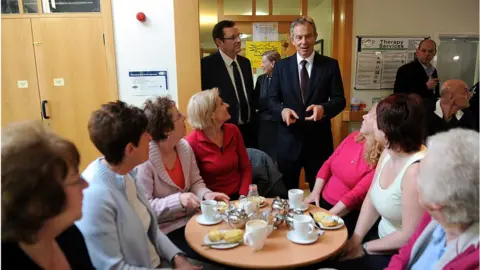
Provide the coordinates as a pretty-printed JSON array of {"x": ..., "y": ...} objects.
[
  {"x": 227, "y": 135},
  {"x": 309, "y": 59},
  {"x": 439, "y": 112},
  {"x": 228, "y": 61}
]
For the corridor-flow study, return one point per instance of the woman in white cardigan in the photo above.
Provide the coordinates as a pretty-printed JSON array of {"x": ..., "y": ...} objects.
[{"x": 171, "y": 179}]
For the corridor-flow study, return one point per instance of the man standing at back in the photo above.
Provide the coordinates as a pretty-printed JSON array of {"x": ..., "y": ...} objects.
[
  {"x": 420, "y": 76},
  {"x": 232, "y": 75},
  {"x": 306, "y": 91}
]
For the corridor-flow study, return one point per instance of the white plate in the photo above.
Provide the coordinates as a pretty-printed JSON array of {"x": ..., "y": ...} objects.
[
  {"x": 292, "y": 236},
  {"x": 201, "y": 220},
  {"x": 339, "y": 225},
  {"x": 206, "y": 240},
  {"x": 303, "y": 207}
]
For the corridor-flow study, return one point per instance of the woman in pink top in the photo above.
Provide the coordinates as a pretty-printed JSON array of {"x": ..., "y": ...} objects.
[
  {"x": 344, "y": 179},
  {"x": 170, "y": 178}
]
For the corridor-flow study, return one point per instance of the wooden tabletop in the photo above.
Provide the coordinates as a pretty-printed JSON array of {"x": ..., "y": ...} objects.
[{"x": 278, "y": 251}]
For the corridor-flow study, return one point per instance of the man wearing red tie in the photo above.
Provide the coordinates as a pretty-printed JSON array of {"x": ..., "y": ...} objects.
[{"x": 306, "y": 91}]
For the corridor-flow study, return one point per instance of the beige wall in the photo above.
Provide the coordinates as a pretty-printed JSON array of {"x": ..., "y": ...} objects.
[
  {"x": 322, "y": 15},
  {"x": 411, "y": 18}
]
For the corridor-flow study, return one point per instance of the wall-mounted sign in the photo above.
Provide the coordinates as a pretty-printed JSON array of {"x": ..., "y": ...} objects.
[
  {"x": 148, "y": 83},
  {"x": 255, "y": 49}
]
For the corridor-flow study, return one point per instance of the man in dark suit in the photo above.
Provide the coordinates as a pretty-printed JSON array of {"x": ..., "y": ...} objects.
[
  {"x": 232, "y": 75},
  {"x": 306, "y": 91},
  {"x": 451, "y": 109},
  {"x": 420, "y": 76}
]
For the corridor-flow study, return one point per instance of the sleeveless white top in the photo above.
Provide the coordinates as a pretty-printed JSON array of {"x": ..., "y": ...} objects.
[{"x": 388, "y": 202}]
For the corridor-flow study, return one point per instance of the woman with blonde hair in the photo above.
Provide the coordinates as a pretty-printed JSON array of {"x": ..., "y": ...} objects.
[
  {"x": 42, "y": 193},
  {"x": 344, "y": 179},
  {"x": 266, "y": 124},
  {"x": 218, "y": 146}
]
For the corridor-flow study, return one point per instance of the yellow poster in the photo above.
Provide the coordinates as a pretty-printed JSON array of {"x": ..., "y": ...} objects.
[{"x": 255, "y": 49}]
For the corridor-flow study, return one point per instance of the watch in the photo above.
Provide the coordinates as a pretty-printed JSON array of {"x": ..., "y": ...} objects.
[
  {"x": 364, "y": 248},
  {"x": 181, "y": 254}
]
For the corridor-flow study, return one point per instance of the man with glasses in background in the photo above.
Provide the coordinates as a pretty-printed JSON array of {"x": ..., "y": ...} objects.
[{"x": 232, "y": 75}]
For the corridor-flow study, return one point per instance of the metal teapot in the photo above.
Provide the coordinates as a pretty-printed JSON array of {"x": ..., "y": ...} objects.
[
  {"x": 236, "y": 218},
  {"x": 280, "y": 206}
]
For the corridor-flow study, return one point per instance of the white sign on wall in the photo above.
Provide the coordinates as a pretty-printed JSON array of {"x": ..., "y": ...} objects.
[
  {"x": 148, "y": 83},
  {"x": 267, "y": 31}
]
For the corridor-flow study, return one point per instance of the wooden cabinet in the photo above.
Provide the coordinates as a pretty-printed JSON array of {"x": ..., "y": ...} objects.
[{"x": 64, "y": 61}]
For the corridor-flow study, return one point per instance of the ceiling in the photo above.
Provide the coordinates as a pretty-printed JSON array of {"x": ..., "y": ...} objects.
[{"x": 208, "y": 13}]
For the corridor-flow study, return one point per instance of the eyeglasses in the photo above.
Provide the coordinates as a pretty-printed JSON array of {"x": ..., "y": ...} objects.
[{"x": 233, "y": 37}]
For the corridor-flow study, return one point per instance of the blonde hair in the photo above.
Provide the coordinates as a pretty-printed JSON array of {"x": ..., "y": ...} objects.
[
  {"x": 201, "y": 107},
  {"x": 373, "y": 149}
]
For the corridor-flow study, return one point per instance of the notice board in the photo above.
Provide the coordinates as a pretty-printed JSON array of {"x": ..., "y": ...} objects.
[{"x": 378, "y": 59}]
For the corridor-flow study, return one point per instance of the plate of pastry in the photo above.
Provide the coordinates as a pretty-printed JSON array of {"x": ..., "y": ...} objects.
[
  {"x": 262, "y": 202},
  {"x": 223, "y": 239},
  {"x": 328, "y": 221}
]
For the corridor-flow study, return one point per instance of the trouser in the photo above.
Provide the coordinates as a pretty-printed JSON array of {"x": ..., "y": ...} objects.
[
  {"x": 267, "y": 137},
  {"x": 248, "y": 134}
]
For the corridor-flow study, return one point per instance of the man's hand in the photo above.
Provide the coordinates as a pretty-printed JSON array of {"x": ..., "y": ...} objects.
[
  {"x": 189, "y": 200},
  {"x": 289, "y": 116},
  {"x": 182, "y": 263},
  {"x": 432, "y": 83},
  {"x": 216, "y": 196},
  {"x": 317, "y": 112}
]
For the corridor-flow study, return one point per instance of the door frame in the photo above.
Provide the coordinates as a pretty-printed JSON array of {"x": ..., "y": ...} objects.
[{"x": 107, "y": 20}]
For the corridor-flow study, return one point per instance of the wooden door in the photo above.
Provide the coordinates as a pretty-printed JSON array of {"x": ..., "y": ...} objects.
[
  {"x": 20, "y": 98},
  {"x": 72, "y": 75}
]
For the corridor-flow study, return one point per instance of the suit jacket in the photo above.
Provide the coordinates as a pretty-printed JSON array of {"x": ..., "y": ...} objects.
[
  {"x": 325, "y": 88},
  {"x": 411, "y": 78},
  {"x": 260, "y": 98},
  {"x": 215, "y": 74}
]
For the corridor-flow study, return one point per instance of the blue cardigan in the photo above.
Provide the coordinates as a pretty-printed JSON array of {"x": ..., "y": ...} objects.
[{"x": 113, "y": 231}]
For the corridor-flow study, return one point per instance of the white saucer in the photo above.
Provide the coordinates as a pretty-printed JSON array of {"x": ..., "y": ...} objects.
[
  {"x": 206, "y": 240},
  {"x": 339, "y": 225},
  {"x": 201, "y": 220},
  {"x": 303, "y": 207},
  {"x": 292, "y": 236}
]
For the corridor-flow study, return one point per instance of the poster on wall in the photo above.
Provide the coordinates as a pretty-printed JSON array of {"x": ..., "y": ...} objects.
[
  {"x": 267, "y": 31},
  {"x": 255, "y": 49},
  {"x": 378, "y": 60},
  {"x": 148, "y": 83}
]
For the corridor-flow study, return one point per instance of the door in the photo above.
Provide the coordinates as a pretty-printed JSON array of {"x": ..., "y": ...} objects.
[
  {"x": 72, "y": 75},
  {"x": 20, "y": 98}
]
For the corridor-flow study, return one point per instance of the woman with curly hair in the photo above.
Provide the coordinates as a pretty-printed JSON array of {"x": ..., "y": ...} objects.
[{"x": 344, "y": 179}]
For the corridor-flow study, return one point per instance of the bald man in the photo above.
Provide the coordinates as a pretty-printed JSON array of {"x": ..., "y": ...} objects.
[
  {"x": 420, "y": 76},
  {"x": 449, "y": 109}
]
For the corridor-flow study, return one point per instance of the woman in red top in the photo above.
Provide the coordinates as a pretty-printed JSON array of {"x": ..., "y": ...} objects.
[
  {"x": 346, "y": 176},
  {"x": 218, "y": 146}
]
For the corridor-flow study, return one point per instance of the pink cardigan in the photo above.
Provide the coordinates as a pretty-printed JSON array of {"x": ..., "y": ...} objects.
[
  {"x": 347, "y": 174},
  {"x": 467, "y": 245},
  {"x": 162, "y": 193}
]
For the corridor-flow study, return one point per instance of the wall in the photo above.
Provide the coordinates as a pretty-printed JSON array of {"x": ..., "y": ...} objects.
[
  {"x": 322, "y": 15},
  {"x": 414, "y": 18},
  {"x": 144, "y": 46}
]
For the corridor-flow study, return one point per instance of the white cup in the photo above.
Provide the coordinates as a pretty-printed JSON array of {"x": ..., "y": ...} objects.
[
  {"x": 303, "y": 225},
  {"x": 208, "y": 209},
  {"x": 295, "y": 198},
  {"x": 256, "y": 233}
]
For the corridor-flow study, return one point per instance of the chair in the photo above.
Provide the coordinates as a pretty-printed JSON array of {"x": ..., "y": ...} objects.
[{"x": 265, "y": 175}]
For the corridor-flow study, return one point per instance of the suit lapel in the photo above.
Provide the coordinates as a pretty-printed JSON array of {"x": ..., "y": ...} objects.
[
  {"x": 314, "y": 77},
  {"x": 223, "y": 72},
  {"x": 296, "y": 81}
]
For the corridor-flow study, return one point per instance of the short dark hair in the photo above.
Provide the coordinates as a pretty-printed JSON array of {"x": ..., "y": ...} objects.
[
  {"x": 115, "y": 125},
  {"x": 159, "y": 115},
  {"x": 272, "y": 55},
  {"x": 402, "y": 118},
  {"x": 33, "y": 173},
  {"x": 421, "y": 42},
  {"x": 218, "y": 29}
]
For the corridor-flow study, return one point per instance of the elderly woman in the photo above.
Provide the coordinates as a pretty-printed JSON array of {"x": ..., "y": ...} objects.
[
  {"x": 344, "y": 179},
  {"x": 266, "y": 124},
  {"x": 448, "y": 187},
  {"x": 41, "y": 200},
  {"x": 218, "y": 146},
  {"x": 393, "y": 195},
  {"x": 119, "y": 226},
  {"x": 170, "y": 178}
]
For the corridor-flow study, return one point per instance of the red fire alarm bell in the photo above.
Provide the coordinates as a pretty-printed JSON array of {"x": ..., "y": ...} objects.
[{"x": 141, "y": 17}]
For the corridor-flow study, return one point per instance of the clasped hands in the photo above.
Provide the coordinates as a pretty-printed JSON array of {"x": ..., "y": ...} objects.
[{"x": 290, "y": 117}]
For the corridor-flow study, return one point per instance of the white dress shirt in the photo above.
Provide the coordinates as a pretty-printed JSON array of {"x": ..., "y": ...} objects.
[
  {"x": 228, "y": 63},
  {"x": 308, "y": 65}
]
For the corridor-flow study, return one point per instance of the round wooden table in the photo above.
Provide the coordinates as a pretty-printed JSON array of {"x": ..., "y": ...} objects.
[{"x": 278, "y": 251}]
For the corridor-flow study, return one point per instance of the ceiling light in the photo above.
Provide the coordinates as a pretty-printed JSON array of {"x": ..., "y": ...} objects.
[
  {"x": 243, "y": 36},
  {"x": 208, "y": 19},
  {"x": 456, "y": 57}
]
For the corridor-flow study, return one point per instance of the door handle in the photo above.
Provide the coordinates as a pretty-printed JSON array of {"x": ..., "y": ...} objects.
[{"x": 44, "y": 111}]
